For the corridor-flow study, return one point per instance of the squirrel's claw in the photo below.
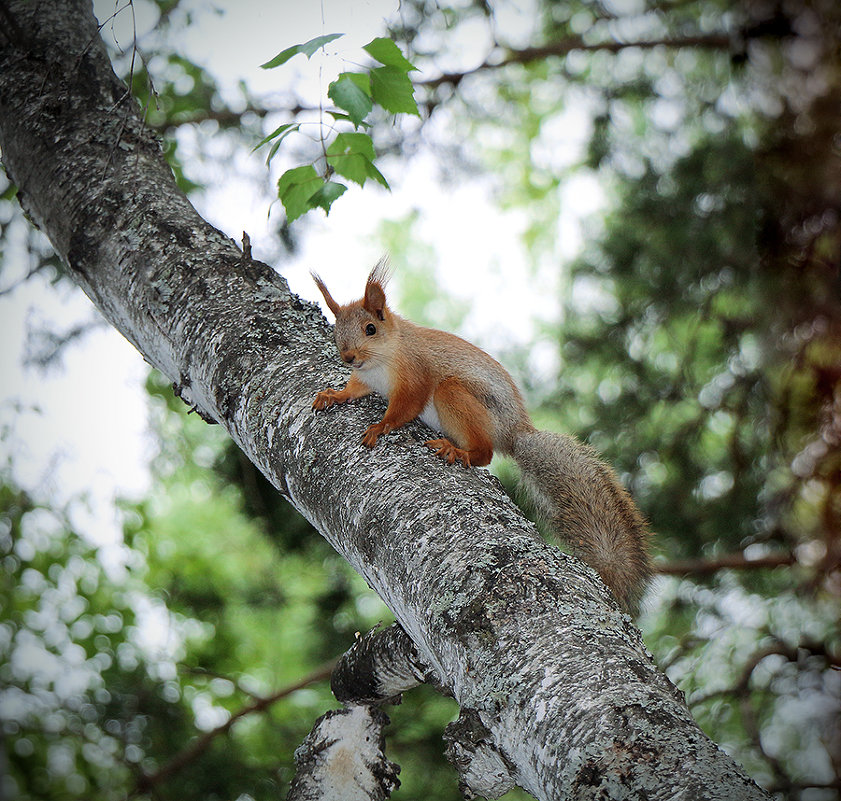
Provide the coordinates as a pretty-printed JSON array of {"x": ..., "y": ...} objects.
[
  {"x": 324, "y": 399},
  {"x": 449, "y": 452},
  {"x": 374, "y": 432}
]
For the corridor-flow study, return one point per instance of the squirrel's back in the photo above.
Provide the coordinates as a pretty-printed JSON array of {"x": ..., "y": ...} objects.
[
  {"x": 574, "y": 491},
  {"x": 446, "y": 355}
]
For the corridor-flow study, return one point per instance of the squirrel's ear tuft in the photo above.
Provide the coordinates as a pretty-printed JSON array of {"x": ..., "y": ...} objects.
[
  {"x": 374, "y": 301},
  {"x": 381, "y": 273},
  {"x": 328, "y": 298}
]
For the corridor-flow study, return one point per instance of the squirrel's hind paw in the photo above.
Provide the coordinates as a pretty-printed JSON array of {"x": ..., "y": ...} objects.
[{"x": 449, "y": 452}]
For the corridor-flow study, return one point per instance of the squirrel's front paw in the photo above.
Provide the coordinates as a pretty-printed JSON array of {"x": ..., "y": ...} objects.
[
  {"x": 325, "y": 398},
  {"x": 373, "y": 433}
]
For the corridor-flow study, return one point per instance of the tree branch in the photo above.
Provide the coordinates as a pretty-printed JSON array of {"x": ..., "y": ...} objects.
[
  {"x": 343, "y": 757},
  {"x": 147, "y": 781},
  {"x": 734, "y": 561},
  {"x": 379, "y": 666},
  {"x": 227, "y": 118},
  {"x": 562, "y": 47}
]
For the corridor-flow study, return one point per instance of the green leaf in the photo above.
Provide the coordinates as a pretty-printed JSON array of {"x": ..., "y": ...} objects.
[
  {"x": 325, "y": 196},
  {"x": 352, "y": 155},
  {"x": 346, "y": 94},
  {"x": 361, "y": 79},
  {"x": 340, "y": 115},
  {"x": 278, "y": 141},
  {"x": 295, "y": 188},
  {"x": 387, "y": 52},
  {"x": 282, "y": 129},
  {"x": 307, "y": 48},
  {"x": 352, "y": 143},
  {"x": 392, "y": 89},
  {"x": 296, "y": 175},
  {"x": 374, "y": 173}
]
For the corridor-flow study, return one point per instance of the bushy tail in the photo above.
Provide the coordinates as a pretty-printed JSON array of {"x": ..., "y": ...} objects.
[{"x": 581, "y": 498}]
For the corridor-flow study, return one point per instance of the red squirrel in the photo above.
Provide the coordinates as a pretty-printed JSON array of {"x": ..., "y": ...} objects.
[{"x": 459, "y": 390}]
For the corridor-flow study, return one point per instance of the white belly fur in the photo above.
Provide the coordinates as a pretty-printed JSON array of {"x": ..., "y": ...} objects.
[
  {"x": 429, "y": 415},
  {"x": 378, "y": 380}
]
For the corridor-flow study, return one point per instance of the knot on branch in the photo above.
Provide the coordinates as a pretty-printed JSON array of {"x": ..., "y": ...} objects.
[
  {"x": 344, "y": 757},
  {"x": 378, "y": 667},
  {"x": 482, "y": 768}
]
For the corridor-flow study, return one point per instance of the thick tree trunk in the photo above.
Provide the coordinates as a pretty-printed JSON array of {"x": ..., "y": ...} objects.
[{"x": 552, "y": 675}]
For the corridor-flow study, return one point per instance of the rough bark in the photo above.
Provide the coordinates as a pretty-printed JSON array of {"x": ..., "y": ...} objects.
[{"x": 555, "y": 677}]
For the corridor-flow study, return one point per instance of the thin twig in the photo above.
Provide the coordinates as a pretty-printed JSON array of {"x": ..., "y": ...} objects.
[
  {"x": 734, "y": 561},
  {"x": 187, "y": 755},
  {"x": 715, "y": 41}
]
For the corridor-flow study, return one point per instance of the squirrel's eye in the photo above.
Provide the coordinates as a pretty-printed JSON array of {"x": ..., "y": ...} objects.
[{"x": 370, "y": 330}]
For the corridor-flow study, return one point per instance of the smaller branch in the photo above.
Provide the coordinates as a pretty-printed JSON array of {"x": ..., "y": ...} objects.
[
  {"x": 44, "y": 347},
  {"x": 378, "y": 667},
  {"x": 483, "y": 769},
  {"x": 714, "y": 41},
  {"x": 343, "y": 757},
  {"x": 328, "y": 169},
  {"x": 741, "y": 692},
  {"x": 344, "y": 754},
  {"x": 385, "y": 663},
  {"x": 735, "y": 561},
  {"x": 740, "y": 688},
  {"x": 779, "y": 648},
  {"x": 225, "y": 117},
  {"x": 187, "y": 755}
]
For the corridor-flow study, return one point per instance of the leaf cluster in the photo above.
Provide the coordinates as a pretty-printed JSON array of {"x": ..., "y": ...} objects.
[{"x": 349, "y": 154}]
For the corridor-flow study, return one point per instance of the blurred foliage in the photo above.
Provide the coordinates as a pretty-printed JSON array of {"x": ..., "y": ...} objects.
[
  {"x": 700, "y": 351},
  {"x": 700, "y": 348}
]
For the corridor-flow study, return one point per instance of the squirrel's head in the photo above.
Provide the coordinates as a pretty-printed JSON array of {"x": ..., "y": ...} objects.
[{"x": 362, "y": 327}]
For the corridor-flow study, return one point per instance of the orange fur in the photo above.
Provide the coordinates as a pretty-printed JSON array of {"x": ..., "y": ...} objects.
[
  {"x": 467, "y": 422},
  {"x": 459, "y": 389}
]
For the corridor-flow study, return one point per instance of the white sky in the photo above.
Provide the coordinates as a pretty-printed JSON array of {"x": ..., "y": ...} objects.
[{"x": 82, "y": 427}]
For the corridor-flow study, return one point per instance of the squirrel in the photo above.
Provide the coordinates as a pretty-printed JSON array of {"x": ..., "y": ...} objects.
[{"x": 461, "y": 391}]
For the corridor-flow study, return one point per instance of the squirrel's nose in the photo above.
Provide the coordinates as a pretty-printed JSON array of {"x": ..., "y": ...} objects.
[{"x": 347, "y": 356}]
